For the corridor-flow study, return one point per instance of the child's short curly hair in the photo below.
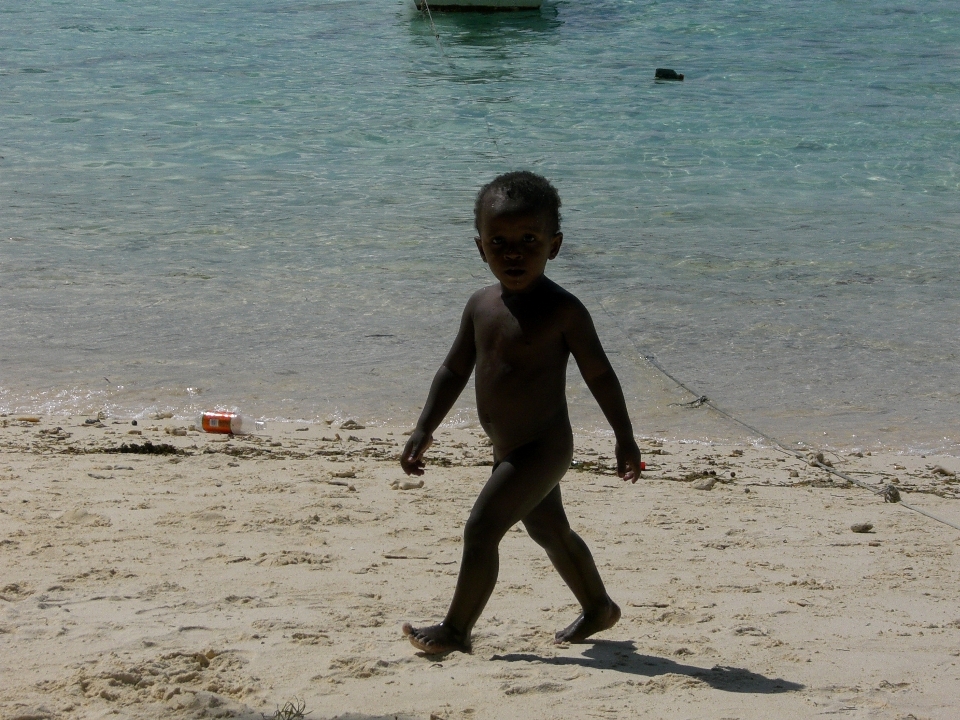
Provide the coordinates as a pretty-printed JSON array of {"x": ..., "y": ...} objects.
[{"x": 532, "y": 192}]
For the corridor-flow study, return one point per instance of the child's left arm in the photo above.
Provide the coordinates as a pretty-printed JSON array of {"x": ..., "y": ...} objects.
[{"x": 585, "y": 346}]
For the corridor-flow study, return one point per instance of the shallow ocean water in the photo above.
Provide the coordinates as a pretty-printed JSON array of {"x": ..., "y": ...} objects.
[{"x": 268, "y": 205}]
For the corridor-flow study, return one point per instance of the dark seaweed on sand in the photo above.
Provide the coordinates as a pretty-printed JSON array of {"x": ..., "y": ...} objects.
[{"x": 147, "y": 448}]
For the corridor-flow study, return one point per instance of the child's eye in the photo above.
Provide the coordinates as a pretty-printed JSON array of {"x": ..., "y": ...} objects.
[
  {"x": 529, "y": 238},
  {"x": 496, "y": 241}
]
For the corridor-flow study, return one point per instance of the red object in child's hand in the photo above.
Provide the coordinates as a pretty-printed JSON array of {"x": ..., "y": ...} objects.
[{"x": 643, "y": 465}]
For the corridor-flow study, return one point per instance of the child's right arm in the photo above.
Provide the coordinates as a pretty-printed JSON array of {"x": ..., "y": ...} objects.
[{"x": 447, "y": 385}]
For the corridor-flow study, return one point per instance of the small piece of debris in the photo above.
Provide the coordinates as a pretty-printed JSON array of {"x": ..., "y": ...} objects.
[
  {"x": 406, "y": 484},
  {"x": 147, "y": 448},
  {"x": 862, "y": 527},
  {"x": 352, "y": 425},
  {"x": 706, "y": 483},
  {"x": 667, "y": 74},
  {"x": 818, "y": 458}
]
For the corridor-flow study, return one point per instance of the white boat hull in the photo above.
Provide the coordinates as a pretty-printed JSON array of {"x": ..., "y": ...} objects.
[{"x": 477, "y": 5}]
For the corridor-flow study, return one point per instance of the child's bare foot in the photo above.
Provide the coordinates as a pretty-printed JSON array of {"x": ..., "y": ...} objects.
[
  {"x": 589, "y": 624},
  {"x": 436, "y": 639}
]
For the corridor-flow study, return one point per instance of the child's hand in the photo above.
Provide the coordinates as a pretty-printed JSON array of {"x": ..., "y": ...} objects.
[
  {"x": 628, "y": 460},
  {"x": 411, "y": 459}
]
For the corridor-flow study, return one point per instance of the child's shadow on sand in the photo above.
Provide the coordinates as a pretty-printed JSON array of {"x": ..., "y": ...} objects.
[{"x": 622, "y": 656}]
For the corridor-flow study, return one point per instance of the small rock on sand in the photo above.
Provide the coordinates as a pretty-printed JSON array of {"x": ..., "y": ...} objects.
[
  {"x": 706, "y": 483},
  {"x": 352, "y": 425},
  {"x": 862, "y": 527}
]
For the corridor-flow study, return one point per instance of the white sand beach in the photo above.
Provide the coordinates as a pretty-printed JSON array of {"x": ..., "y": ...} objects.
[{"x": 240, "y": 574}]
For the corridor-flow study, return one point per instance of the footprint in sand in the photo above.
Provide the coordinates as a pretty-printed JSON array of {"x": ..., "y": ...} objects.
[
  {"x": 79, "y": 516},
  {"x": 14, "y": 592},
  {"x": 195, "y": 680},
  {"x": 293, "y": 557},
  {"x": 358, "y": 668}
]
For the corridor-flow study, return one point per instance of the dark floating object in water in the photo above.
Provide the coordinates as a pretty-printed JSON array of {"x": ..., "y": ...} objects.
[{"x": 667, "y": 74}]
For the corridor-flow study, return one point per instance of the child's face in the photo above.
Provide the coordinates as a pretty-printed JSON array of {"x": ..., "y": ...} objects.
[{"x": 515, "y": 244}]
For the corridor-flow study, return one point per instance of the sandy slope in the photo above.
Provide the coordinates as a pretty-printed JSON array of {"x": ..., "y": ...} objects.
[{"x": 240, "y": 575}]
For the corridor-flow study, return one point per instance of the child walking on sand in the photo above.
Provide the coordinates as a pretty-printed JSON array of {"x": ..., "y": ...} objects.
[{"x": 518, "y": 335}]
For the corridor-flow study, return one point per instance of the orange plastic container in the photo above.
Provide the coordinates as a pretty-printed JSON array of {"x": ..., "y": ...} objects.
[
  {"x": 216, "y": 421},
  {"x": 222, "y": 421}
]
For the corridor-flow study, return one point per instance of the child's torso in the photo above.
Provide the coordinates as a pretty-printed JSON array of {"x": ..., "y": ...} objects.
[{"x": 521, "y": 365}]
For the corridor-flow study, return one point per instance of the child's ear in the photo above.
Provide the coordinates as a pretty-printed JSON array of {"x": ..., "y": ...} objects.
[
  {"x": 483, "y": 255},
  {"x": 555, "y": 244}
]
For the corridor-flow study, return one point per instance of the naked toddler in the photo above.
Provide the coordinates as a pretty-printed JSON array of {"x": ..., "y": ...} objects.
[{"x": 518, "y": 335}]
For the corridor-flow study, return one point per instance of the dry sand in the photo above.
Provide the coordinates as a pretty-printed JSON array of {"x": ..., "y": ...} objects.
[{"x": 242, "y": 574}]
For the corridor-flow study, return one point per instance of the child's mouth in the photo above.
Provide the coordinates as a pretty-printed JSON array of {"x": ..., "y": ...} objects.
[{"x": 514, "y": 272}]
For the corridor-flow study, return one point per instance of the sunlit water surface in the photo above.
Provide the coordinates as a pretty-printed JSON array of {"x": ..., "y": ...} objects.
[{"x": 267, "y": 205}]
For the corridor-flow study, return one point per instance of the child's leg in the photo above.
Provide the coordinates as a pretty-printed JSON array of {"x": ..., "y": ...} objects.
[
  {"x": 548, "y": 526},
  {"x": 517, "y": 485}
]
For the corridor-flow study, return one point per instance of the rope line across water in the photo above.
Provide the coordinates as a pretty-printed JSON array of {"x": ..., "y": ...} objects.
[
  {"x": 436, "y": 34},
  {"x": 888, "y": 492}
]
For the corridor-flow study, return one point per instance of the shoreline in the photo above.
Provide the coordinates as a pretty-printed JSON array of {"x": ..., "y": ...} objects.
[
  {"x": 665, "y": 420},
  {"x": 226, "y": 576}
]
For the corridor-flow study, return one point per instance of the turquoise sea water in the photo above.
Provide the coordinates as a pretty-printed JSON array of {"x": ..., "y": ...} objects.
[{"x": 267, "y": 204}]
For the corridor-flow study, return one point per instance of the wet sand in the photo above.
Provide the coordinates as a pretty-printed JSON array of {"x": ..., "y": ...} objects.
[{"x": 224, "y": 577}]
